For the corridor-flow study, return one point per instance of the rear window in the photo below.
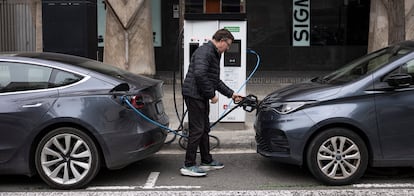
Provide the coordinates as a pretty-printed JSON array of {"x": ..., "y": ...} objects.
[{"x": 62, "y": 78}]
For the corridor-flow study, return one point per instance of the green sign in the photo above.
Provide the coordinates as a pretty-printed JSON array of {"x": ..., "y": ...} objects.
[{"x": 233, "y": 29}]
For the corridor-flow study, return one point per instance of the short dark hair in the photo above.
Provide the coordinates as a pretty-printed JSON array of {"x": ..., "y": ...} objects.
[{"x": 223, "y": 34}]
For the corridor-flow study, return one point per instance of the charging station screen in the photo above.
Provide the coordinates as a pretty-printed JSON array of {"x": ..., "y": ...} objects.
[
  {"x": 232, "y": 56},
  {"x": 234, "y": 48}
]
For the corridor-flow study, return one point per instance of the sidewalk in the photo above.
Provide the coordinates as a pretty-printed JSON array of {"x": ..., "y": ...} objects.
[{"x": 231, "y": 139}]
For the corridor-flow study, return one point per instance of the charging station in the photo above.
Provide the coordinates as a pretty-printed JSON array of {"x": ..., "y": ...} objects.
[{"x": 198, "y": 30}]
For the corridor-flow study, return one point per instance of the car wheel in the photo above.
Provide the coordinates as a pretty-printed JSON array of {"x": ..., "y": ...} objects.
[
  {"x": 337, "y": 156},
  {"x": 67, "y": 158}
]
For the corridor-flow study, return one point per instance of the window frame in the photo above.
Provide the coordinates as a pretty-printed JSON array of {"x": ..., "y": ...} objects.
[{"x": 54, "y": 68}]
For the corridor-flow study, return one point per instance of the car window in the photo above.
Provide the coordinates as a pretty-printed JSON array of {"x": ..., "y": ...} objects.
[
  {"x": 62, "y": 78},
  {"x": 4, "y": 75},
  {"x": 365, "y": 65},
  {"x": 409, "y": 66},
  {"x": 21, "y": 77},
  {"x": 93, "y": 65}
]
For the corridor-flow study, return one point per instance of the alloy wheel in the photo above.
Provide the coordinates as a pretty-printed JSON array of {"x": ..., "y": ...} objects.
[
  {"x": 338, "y": 157},
  {"x": 66, "y": 159}
]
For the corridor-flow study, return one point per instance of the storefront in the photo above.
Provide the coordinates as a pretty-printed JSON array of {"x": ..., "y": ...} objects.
[
  {"x": 289, "y": 35},
  {"x": 337, "y": 31}
]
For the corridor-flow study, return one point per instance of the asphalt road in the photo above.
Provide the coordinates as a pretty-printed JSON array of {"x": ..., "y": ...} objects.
[{"x": 244, "y": 174}]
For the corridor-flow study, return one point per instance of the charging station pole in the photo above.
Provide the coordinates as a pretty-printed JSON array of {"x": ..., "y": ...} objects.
[{"x": 198, "y": 30}]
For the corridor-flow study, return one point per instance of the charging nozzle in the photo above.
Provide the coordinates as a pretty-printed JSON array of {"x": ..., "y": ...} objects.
[{"x": 249, "y": 103}]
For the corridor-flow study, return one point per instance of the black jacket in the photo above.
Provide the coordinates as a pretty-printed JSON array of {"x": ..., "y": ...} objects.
[{"x": 203, "y": 76}]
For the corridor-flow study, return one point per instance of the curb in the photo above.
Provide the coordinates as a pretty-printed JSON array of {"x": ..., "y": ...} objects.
[{"x": 241, "y": 140}]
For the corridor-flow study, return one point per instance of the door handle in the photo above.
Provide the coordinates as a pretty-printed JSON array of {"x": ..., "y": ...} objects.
[{"x": 32, "y": 105}]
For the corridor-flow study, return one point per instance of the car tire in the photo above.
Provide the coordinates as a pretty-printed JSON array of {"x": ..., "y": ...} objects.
[
  {"x": 67, "y": 158},
  {"x": 337, "y": 156}
]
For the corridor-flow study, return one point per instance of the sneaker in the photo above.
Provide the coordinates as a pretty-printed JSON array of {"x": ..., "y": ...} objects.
[
  {"x": 211, "y": 166},
  {"x": 192, "y": 171}
]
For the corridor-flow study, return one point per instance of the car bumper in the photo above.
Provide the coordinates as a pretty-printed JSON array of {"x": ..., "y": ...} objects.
[
  {"x": 128, "y": 148},
  {"x": 282, "y": 137}
]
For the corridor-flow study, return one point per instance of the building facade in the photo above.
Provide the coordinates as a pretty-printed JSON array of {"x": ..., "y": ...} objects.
[
  {"x": 289, "y": 35},
  {"x": 336, "y": 32}
]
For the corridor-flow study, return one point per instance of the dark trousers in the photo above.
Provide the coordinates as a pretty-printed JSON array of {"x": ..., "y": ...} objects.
[{"x": 199, "y": 128}]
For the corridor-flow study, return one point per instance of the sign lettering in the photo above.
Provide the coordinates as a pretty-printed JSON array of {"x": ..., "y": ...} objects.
[{"x": 301, "y": 23}]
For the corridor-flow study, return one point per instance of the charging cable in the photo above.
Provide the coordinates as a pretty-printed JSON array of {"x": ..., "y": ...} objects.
[
  {"x": 245, "y": 82},
  {"x": 125, "y": 100}
]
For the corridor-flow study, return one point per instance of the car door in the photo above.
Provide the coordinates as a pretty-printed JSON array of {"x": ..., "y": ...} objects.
[
  {"x": 395, "y": 115},
  {"x": 24, "y": 100}
]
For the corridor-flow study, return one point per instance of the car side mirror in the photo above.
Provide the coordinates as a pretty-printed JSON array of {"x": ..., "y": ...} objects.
[{"x": 399, "y": 80}]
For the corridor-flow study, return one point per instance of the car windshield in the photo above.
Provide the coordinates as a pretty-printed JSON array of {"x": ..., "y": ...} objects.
[{"x": 365, "y": 65}]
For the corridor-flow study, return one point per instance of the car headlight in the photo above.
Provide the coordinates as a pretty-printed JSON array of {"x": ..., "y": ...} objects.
[{"x": 287, "y": 107}]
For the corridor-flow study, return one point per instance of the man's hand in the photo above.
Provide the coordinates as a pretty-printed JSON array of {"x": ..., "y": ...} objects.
[
  {"x": 237, "y": 97},
  {"x": 214, "y": 99}
]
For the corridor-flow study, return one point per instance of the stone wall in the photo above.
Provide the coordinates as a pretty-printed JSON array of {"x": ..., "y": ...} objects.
[
  {"x": 378, "y": 28},
  {"x": 128, "y": 37}
]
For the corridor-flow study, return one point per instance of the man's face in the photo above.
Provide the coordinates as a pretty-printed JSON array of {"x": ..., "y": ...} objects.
[{"x": 224, "y": 45}]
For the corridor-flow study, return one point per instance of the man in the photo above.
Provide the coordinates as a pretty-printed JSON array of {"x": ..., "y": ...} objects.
[{"x": 200, "y": 85}]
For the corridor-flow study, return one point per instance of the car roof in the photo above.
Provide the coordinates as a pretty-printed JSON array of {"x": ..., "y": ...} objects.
[
  {"x": 46, "y": 60},
  {"x": 57, "y": 57},
  {"x": 77, "y": 63},
  {"x": 90, "y": 66}
]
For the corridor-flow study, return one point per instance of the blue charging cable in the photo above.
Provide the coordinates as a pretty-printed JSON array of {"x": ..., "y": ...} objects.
[
  {"x": 248, "y": 78},
  {"x": 254, "y": 70},
  {"x": 125, "y": 100}
]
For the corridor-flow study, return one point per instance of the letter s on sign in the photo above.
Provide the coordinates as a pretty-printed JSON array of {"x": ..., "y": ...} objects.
[{"x": 298, "y": 35}]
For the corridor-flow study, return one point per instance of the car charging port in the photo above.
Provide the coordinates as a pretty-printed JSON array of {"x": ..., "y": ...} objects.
[{"x": 138, "y": 101}]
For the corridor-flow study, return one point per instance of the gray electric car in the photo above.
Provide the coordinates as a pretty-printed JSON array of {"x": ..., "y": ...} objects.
[
  {"x": 338, "y": 124},
  {"x": 64, "y": 117}
]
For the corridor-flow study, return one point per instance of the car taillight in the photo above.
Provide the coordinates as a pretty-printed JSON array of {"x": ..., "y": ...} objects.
[{"x": 138, "y": 101}]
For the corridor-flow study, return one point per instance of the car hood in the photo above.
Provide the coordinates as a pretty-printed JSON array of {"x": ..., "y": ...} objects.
[{"x": 303, "y": 92}]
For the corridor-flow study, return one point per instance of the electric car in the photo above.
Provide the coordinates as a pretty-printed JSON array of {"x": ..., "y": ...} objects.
[
  {"x": 336, "y": 125},
  {"x": 64, "y": 117}
]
